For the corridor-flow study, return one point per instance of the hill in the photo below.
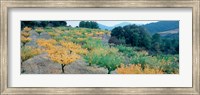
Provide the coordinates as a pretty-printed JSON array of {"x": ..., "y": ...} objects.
[
  {"x": 152, "y": 28},
  {"x": 104, "y": 27},
  {"x": 161, "y": 26},
  {"x": 170, "y": 34}
]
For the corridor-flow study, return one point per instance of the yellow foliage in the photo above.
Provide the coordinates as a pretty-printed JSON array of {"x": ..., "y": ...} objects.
[
  {"x": 65, "y": 53},
  {"x": 89, "y": 35},
  {"x": 25, "y": 34},
  {"x": 78, "y": 33},
  {"x": 137, "y": 69},
  {"x": 53, "y": 34},
  {"x": 25, "y": 40},
  {"x": 60, "y": 55},
  {"x": 80, "y": 39},
  {"x": 76, "y": 48},
  {"x": 39, "y": 30},
  {"x": 99, "y": 33},
  {"x": 58, "y": 31},
  {"x": 27, "y": 29},
  {"x": 28, "y": 52},
  {"x": 46, "y": 43}
]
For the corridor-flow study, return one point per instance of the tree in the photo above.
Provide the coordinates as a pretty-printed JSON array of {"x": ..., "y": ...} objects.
[
  {"x": 133, "y": 35},
  {"x": 156, "y": 40},
  {"x": 28, "y": 52},
  {"x": 44, "y": 23},
  {"x": 58, "y": 23},
  {"x": 39, "y": 30},
  {"x": 25, "y": 36},
  {"x": 118, "y": 32},
  {"x": 89, "y": 24},
  {"x": 65, "y": 53},
  {"x": 82, "y": 24},
  {"x": 34, "y": 24},
  {"x": 94, "y": 25},
  {"x": 62, "y": 56}
]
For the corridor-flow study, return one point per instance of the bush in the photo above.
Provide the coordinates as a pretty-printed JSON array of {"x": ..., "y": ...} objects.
[
  {"x": 49, "y": 29},
  {"x": 105, "y": 57},
  {"x": 137, "y": 69},
  {"x": 92, "y": 43},
  {"x": 28, "y": 52},
  {"x": 128, "y": 51},
  {"x": 116, "y": 41},
  {"x": 39, "y": 30}
]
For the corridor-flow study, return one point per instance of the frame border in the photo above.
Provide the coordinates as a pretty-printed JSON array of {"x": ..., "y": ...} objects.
[{"x": 6, "y": 4}]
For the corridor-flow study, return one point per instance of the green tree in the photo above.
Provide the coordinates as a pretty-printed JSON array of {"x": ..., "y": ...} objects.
[
  {"x": 94, "y": 25},
  {"x": 118, "y": 32},
  {"x": 156, "y": 40},
  {"x": 89, "y": 24},
  {"x": 137, "y": 36},
  {"x": 82, "y": 24}
]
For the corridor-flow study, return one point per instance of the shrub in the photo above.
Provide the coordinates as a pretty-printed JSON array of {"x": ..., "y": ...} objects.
[
  {"x": 128, "y": 51},
  {"x": 105, "y": 57},
  {"x": 27, "y": 29},
  {"x": 25, "y": 40},
  {"x": 92, "y": 43},
  {"x": 25, "y": 34},
  {"x": 48, "y": 29},
  {"x": 137, "y": 69},
  {"x": 39, "y": 30},
  {"x": 62, "y": 56},
  {"x": 116, "y": 41},
  {"x": 28, "y": 52}
]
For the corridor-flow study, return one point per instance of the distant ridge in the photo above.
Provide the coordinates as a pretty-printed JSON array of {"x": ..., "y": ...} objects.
[
  {"x": 161, "y": 26},
  {"x": 152, "y": 28},
  {"x": 104, "y": 27}
]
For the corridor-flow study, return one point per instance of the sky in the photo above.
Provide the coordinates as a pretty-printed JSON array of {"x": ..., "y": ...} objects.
[{"x": 109, "y": 23}]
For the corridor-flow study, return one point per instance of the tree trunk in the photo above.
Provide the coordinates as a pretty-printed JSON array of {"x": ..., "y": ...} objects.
[
  {"x": 90, "y": 64},
  {"x": 109, "y": 71},
  {"x": 63, "y": 65}
]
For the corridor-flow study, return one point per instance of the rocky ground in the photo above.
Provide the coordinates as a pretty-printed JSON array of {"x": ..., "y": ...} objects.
[{"x": 41, "y": 64}]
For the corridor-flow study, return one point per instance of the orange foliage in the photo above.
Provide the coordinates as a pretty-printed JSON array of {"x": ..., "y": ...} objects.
[
  {"x": 53, "y": 34},
  {"x": 99, "y": 33},
  {"x": 76, "y": 48},
  {"x": 137, "y": 69},
  {"x": 25, "y": 40},
  {"x": 46, "y": 43},
  {"x": 60, "y": 55},
  {"x": 25, "y": 34}
]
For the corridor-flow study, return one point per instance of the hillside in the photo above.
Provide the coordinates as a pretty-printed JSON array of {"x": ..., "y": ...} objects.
[
  {"x": 173, "y": 34},
  {"x": 104, "y": 27},
  {"x": 68, "y": 50},
  {"x": 42, "y": 64},
  {"x": 152, "y": 28},
  {"x": 161, "y": 26}
]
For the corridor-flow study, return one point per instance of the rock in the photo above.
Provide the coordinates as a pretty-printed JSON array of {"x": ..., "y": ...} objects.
[
  {"x": 35, "y": 36},
  {"x": 80, "y": 67},
  {"x": 41, "y": 64}
]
